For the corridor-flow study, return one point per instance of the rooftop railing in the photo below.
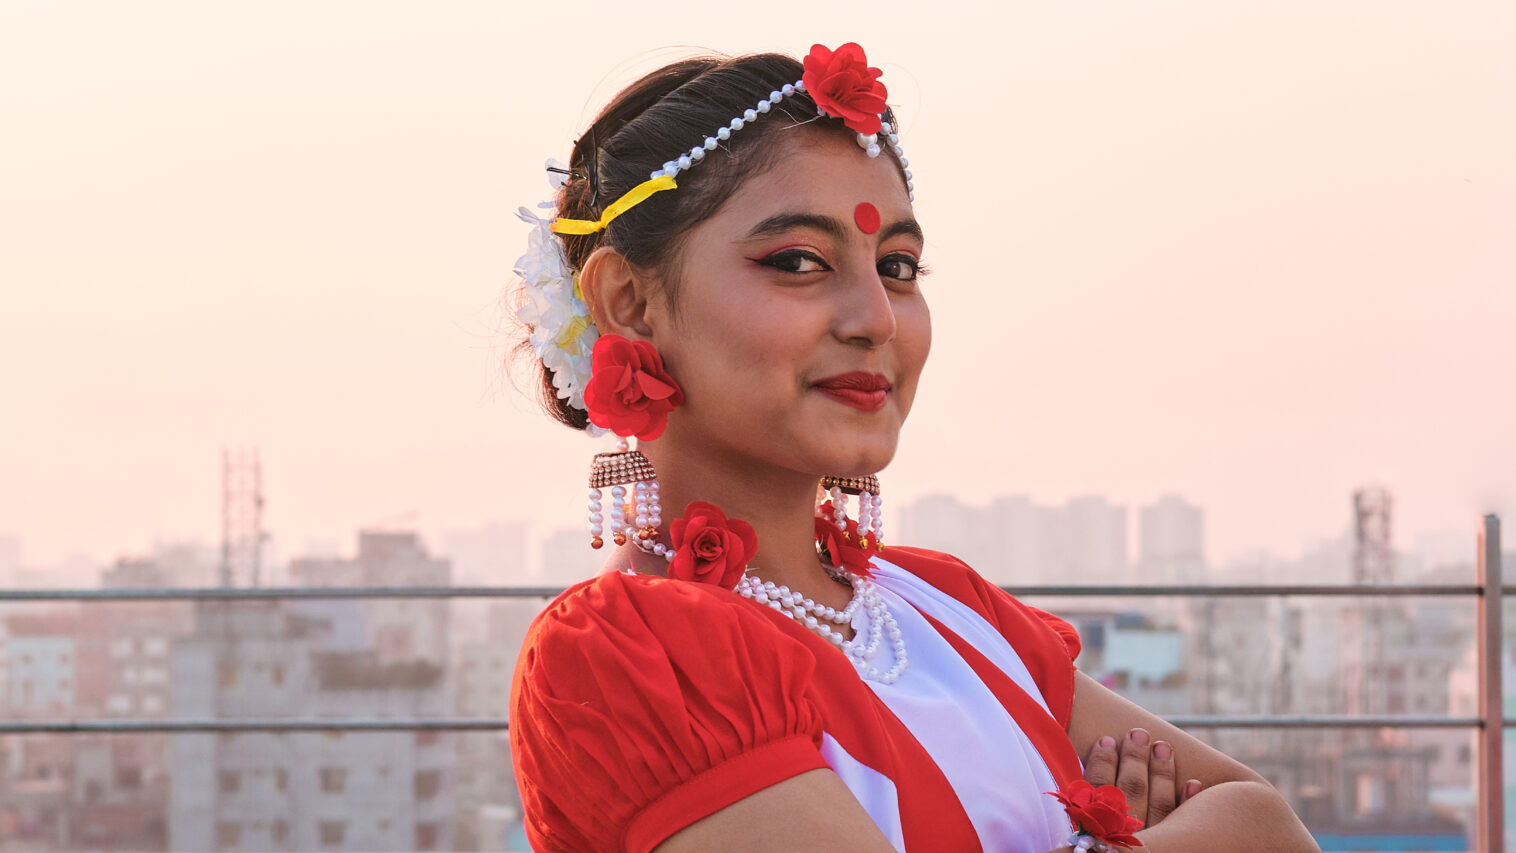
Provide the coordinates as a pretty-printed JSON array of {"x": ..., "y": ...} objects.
[{"x": 1488, "y": 588}]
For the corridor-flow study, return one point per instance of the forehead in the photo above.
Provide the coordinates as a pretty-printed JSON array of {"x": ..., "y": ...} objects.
[{"x": 822, "y": 173}]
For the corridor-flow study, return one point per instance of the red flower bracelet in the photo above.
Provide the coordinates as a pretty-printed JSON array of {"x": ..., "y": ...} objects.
[{"x": 1099, "y": 815}]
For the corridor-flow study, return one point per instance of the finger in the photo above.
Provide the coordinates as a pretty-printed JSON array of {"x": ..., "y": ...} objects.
[
  {"x": 1191, "y": 788},
  {"x": 1132, "y": 771},
  {"x": 1100, "y": 767},
  {"x": 1163, "y": 794}
]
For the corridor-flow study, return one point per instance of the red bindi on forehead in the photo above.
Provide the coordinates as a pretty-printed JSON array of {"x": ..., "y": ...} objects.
[{"x": 867, "y": 217}]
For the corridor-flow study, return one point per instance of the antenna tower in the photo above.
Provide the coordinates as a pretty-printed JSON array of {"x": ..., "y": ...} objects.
[
  {"x": 1373, "y": 558},
  {"x": 241, "y": 517}
]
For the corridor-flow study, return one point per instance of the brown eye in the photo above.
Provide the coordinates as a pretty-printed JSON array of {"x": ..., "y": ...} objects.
[
  {"x": 900, "y": 267},
  {"x": 795, "y": 261}
]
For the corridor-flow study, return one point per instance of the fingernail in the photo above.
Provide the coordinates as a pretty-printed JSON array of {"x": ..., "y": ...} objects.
[
  {"x": 1138, "y": 735},
  {"x": 1191, "y": 788},
  {"x": 1161, "y": 751},
  {"x": 1107, "y": 742}
]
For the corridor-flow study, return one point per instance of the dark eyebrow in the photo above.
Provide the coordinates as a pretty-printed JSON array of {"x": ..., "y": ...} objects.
[
  {"x": 782, "y": 222},
  {"x": 904, "y": 226},
  {"x": 833, "y": 228}
]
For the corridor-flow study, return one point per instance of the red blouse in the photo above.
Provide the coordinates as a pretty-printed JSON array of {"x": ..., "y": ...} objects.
[{"x": 641, "y": 705}]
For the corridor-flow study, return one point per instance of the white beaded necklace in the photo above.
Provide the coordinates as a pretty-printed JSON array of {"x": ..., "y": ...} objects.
[
  {"x": 617, "y": 469},
  {"x": 816, "y": 616}
]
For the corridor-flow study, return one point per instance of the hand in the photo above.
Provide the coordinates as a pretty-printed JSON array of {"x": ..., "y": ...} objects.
[{"x": 1144, "y": 772}]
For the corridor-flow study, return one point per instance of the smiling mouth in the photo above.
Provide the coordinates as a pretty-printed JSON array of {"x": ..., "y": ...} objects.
[{"x": 866, "y": 392}]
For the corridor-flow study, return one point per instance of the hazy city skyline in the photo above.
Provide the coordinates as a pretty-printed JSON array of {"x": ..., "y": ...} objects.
[{"x": 1258, "y": 257}]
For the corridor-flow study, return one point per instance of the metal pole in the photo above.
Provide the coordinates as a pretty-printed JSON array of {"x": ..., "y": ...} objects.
[{"x": 1491, "y": 834}]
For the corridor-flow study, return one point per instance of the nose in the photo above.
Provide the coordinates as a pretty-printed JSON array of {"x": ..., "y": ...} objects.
[{"x": 864, "y": 315}]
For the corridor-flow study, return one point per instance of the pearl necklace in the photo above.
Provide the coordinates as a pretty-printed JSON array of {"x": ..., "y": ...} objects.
[{"x": 816, "y": 616}]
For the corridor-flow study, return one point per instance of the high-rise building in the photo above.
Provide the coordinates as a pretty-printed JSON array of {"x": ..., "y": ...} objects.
[
  {"x": 1097, "y": 541},
  {"x": 368, "y": 658},
  {"x": 493, "y": 554},
  {"x": 1170, "y": 542},
  {"x": 567, "y": 557}
]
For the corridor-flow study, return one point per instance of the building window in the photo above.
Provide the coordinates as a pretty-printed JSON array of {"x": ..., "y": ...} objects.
[
  {"x": 276, "y": 675},
  {"x": 228, "y": 835},
  {"x": 152, "y": 703},
  {"x": 281, "y": 779},
  {"x": 426, "y": 836},
  {"x": 333, "y": 832},
  {"x": 426, "y": 737},
  {"x": 119, "y": 703},
  {"x": 230, "y": 781},
  {"x": 228, "y": 674},
  {"x": 129, "y": 777},
  {"x": 333, "y": 780},
  {"x": 155, "y": 646},
  {"x": 280, "y": 832},
  {"x": 426, "y": 783}
]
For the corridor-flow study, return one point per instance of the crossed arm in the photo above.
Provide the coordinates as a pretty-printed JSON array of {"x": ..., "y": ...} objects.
[{"x": 1235, "y": 809}]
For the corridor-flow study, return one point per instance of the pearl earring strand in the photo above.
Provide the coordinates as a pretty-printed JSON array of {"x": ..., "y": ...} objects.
[{"x": 617, "y": 471}]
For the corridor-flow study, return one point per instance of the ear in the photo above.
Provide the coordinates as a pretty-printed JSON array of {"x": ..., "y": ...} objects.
[{"x": 617, "y": 294}]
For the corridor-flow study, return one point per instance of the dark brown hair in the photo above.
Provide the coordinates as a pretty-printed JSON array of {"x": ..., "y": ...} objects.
[{"x": 652, "y": 121}]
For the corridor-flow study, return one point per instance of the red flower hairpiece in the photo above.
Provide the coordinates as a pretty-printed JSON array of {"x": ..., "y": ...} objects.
[
  {"x": 629, "y": 392},
  {"x": 709, "y": 547},
  {"x": 1100, "y": 813},
  {"x": 843, "y": 85}
]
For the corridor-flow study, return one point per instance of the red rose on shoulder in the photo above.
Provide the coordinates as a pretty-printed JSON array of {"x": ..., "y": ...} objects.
[
  {"x": 709, "y": 547},
  {"x": 629, "y": 393},
  {"x": 843, "y": 85},
  {"x": 847, "y": 548},
  {"x": 1100, "y": 813}
]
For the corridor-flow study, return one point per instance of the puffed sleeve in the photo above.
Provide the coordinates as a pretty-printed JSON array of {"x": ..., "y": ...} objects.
[
  {"x": 1062, "y": 628},
  {"x": 641, "y": 705}
]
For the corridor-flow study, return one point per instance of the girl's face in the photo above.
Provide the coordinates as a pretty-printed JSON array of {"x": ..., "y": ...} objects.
[{"x": 801, "y": 330}]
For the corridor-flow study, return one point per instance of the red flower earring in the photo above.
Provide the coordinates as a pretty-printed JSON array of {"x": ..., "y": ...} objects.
[{"x": 629, "y": 392}]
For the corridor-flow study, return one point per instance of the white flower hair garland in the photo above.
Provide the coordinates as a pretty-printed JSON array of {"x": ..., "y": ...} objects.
[{"x": 563, "y": 334}]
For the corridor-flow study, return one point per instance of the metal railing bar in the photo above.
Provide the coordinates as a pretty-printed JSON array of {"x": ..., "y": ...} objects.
[
  {"x": 275, "y": 593},
  {"x": 1328, "y": 721},
  {"x": 271, "y": 593},
  {"x": 1490, "y": 661},
  {"x": 243, "y": 725}
]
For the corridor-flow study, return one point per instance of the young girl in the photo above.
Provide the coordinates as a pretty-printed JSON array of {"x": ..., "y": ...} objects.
[{"x": 731, "y": 276}]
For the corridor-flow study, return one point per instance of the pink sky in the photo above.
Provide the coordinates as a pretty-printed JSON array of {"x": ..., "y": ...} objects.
[{"x": 1255, "y": 256}]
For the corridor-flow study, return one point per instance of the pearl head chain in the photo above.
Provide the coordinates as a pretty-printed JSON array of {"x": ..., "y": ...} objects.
[{"x": 868, "y": 142}]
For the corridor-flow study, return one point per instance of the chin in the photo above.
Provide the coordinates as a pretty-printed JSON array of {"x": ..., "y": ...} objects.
[{"x": 862, "y": 458}]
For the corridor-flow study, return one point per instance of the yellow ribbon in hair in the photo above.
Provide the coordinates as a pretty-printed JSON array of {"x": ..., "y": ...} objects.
[{"x": 634, "y": 196}]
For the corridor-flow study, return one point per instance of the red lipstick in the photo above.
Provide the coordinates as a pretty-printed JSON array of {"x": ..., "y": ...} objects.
[{"x": 866, "y": 392}]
